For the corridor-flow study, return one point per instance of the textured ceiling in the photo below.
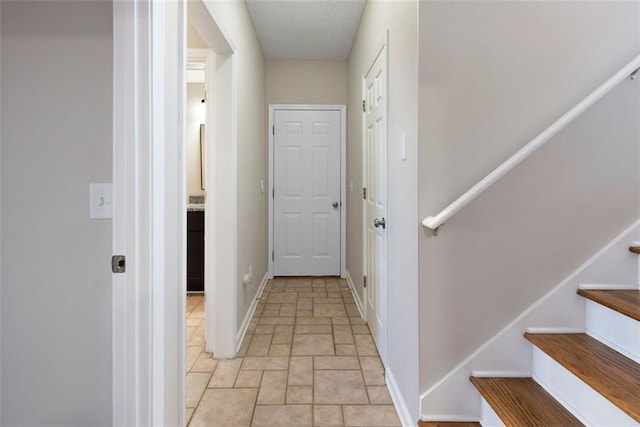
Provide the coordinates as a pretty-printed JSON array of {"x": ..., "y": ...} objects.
[{"x": 306, "y": 29}]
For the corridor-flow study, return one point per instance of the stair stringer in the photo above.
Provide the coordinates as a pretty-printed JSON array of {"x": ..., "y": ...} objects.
[{"x": 508, "y": 353}]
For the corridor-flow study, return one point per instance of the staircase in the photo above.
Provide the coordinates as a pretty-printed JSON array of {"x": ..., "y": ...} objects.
[{"x": 590, "y": 378}]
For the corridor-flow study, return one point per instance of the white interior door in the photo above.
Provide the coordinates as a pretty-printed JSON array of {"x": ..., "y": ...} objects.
[
  {"x": 306, "y": 206},
  {"x": 375, "y": 181}
]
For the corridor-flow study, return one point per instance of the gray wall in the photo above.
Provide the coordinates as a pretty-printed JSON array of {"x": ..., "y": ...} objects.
[
  {"x": 492, "y": 76},
  {"x": 306, "y": 81},
  {"x": 56, "y": 283}
]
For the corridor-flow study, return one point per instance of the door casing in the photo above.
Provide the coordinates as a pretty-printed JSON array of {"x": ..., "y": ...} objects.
[
  {"x": 343, "y": 175},
  {"x": 149, "y": 222}
]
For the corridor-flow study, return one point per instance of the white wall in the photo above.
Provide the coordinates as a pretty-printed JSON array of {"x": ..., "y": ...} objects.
[
  {"x": 251, "y": 149},
  {"x": 196, "y": 115},
  {"x": 56, "y": 281},
  {"x": 306, "y": 81},
  {"x": 492, "y": 76},
  {"x": 400, "y": 18}
]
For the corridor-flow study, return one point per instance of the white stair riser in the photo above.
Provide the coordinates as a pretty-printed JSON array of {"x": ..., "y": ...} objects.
[
  {"x": 582, "y": 401},
  {"x": 488, "y": 417},
  {"x": 614, "y": 329}
]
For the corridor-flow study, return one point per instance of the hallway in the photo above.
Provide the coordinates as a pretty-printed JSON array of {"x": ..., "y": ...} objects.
[{"x": 308, "y": 359}]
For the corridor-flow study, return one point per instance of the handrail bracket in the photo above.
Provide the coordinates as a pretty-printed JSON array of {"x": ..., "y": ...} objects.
[
  {"x": 634, "y": 75},
  {"x": 435, "y": 230}
]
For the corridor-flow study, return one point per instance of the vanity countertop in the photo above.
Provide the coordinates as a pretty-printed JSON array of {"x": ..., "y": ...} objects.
[{"x": 195, "y": 207}]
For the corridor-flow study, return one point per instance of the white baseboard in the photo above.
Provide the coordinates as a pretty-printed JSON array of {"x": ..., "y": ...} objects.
[
  {"x": 398, "y": 401},
  {"x": 356, "y": 296},
  {"x": 448, "y": 418},
  {"x": 556, "y": 330},
  {"x": 247, "y": 318},
  {"x": 500, "y": 374},
  {"x": 607, "y": 287}
]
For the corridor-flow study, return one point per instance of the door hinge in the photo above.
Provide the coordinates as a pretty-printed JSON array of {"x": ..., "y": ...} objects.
[
  {"x": 273, "y": 129},
  {"x": 364, "y": 106},
  {"x": 273, "y": 193},
  {"x": 273, "y": 255},
  {"x": 364, "y": 193},
  {"x": 118, "y": 264},
  {"x": 364, "y": 281}
]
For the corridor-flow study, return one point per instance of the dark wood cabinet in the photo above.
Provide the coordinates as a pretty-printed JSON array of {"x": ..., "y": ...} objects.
[{"x": 195, "y": 251}]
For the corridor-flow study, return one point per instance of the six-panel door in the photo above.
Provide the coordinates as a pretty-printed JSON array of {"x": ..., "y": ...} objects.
[{"x": 306, "y": 193}]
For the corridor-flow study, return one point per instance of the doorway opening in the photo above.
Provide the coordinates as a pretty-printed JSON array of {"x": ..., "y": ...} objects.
[
  {"x": 210, "y": 229},
  {"x": 214, "y": 57}
]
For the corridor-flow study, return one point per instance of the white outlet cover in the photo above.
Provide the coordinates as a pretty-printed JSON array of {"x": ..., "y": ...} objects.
[{"x": 100, "y": 201}]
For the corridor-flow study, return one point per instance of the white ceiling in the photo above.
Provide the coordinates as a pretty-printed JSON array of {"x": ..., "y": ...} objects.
[{"x": 306, "y": 29}]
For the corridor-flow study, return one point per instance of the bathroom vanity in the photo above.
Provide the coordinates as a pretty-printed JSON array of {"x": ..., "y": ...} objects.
[{"x": 195, "y": 249}]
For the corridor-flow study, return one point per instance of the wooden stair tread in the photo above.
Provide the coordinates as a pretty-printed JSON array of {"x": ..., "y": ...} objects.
[
  {"x": 626, "y": 302},
  {"x": 608, "y": 372},
  {"x": 447, "y": 424},
  {"x": 634, "y": 250},
  {"x": 523, "y": 402}
]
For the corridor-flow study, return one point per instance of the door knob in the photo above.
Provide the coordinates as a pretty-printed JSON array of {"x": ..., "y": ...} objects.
[
  {"x": 380, "y": 223},
  {"x": 335, "y": 205}
]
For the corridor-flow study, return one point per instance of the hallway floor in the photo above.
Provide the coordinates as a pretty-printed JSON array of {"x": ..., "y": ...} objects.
[{"x": 308, "y": 359}]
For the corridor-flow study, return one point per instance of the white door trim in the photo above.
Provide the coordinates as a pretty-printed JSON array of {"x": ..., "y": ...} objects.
[
  {"x": 149, "y": 222},
  {"x": 220, "y": 218},
  {"x": 343, "y": 175},
  {"x": 383, "y": 45},
  {"x": 148, "y": 300}
]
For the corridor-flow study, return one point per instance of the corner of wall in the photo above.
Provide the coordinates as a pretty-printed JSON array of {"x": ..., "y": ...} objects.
[
  {"x": 242, "y": 330},
  {"x": 507, "y": 353},
  {"x": 356, "y": 296}
]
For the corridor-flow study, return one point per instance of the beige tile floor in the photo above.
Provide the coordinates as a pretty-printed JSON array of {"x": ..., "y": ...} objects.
[{"x": 308, "y": 359}]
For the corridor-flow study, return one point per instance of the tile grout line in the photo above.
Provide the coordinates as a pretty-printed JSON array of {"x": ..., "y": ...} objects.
[
  {"x": 201, "y": 395},
  {"x": 255, "y": 402}
]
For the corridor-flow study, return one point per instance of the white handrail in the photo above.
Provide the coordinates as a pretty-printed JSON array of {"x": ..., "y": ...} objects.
[{"x": 434, "y": 222}]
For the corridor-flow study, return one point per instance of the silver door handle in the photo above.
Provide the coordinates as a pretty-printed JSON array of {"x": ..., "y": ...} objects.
[
  {"x": 335, "y": 205},
  {"x": 380, "y": 223}
]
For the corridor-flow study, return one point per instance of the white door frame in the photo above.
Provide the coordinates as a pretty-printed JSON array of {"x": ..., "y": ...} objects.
[
  {"x": 383, "y": 45},
  {"x": 149, "y": 222},
  {"x": 148, "y": 133},
  {"x": 343, "y": 174},
  {"x": 220, "y": 218}
]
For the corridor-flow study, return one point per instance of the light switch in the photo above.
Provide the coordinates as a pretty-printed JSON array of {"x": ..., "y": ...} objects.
[
  {"x": 101, "y": 201},
  {"x": 403, "y": 147}
]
